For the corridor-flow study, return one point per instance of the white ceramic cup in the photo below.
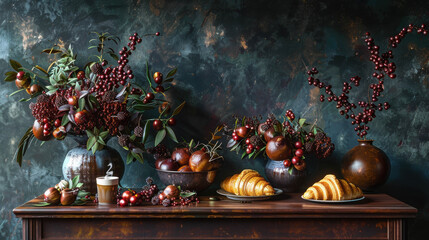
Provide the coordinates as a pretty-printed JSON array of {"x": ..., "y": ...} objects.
[{"x": 107, "y": 188}]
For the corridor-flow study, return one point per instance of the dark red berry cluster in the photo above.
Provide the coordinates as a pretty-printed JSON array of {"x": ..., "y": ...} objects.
[
  {"x": 383, "y": 66},
  {"x": 133, "y": 198},
  {"x": 113, "y": 77},
  {"x": 166, "y": 201}
]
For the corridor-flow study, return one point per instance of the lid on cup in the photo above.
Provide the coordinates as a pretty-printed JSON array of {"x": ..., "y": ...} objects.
[{"x": 108, "y": 180}]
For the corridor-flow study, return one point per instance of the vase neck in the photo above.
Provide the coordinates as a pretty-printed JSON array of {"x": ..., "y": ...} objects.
[{"x": 364, "y": 142}]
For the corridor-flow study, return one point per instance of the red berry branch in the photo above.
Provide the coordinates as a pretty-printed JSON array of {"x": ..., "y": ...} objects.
[{"x": 383, "y": 66}]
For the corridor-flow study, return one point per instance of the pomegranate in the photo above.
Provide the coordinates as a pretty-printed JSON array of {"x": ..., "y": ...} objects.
[
  {"x": 52, "y": 196},
  {"x": 168, "y": 165},
  {"x": 38, "y": 132},
  {"x": 181, "y": 156},
  {"x": 278, "y": 149},
  {"x": 269, "y": 134},
  {"x": 200, "y": 161},
  {"x": 171, "y": 191},
  {"x": 242, "y": 132}
]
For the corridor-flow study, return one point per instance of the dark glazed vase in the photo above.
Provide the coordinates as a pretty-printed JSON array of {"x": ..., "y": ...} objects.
[
  {"x": 366, "y": 166},
  {"x": 279, "y": 176},
  {"x": 89, "y": 166}
]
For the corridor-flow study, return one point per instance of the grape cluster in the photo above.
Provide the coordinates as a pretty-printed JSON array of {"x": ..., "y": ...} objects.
[{"x": 383, "y": 66}]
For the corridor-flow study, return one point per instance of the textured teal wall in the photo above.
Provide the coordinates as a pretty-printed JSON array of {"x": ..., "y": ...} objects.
[{"x": 234, "y": 57}]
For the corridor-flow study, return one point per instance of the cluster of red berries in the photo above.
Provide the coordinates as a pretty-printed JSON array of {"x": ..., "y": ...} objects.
[
  {"x": 110, "y": 78},
  {"x": 148, "y": 98},
  {"x": 250, "y": 146},
  {"x": 157, "y": 77},
  {"x": 45, "y": 112},
  {"x": 382, "y": 66},
  {"x": 297, "y": 158},
  {"x": 171, "y": 197},
  {"x": 133, "y": 198},
  {"x": 290, "y": 115},
  {"x": 114, "y": 114},
  {"x": 395, "y": 40}
]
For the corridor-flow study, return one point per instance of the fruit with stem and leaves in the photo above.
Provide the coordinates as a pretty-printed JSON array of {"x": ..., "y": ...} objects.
[
  {"x": 98, "y": 100},
  {"x": 288, "y": 141}
]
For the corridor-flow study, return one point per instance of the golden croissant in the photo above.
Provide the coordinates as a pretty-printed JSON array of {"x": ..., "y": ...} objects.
[
  {"x": 247, "y": 183},
  {"x": 331, "y": 188}
]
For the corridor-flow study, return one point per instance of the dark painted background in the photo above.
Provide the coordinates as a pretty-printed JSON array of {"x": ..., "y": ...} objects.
[{"x": 234, "y": 57}]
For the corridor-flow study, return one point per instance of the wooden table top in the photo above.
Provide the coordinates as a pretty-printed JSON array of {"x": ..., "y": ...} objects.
[{"x": 285, "y": 206}]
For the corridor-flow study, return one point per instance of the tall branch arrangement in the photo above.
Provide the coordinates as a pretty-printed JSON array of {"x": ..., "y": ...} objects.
[{"x": 384, "y": 68}]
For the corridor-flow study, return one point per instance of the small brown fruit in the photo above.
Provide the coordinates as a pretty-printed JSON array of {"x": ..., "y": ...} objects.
[
  {"x": 181, "y": 156},
  {"x": 68, "y": 196},
  {"x": 60, "y": 133},
  {"x": 200, "y": 161},
  {"x": 269, "y": 134},
  {"x": 184, "y": 168},
  {"x": 171, "y": 191},
  {"x": 52, "y": 196},
  {"x": 24, "y": 83}
]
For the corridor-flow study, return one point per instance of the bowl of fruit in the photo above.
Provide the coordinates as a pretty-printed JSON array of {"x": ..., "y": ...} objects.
[{"x": 192, "y": 169}]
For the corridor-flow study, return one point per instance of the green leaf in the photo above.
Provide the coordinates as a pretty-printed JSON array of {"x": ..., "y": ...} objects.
[
  {"x": 95, "y": 147},
  {"x": 314, "y": 131},
  {"x": 11, "y": 73},
  {"x": 160, "y": 136},
  {"x": 90, "y": 143},
  {"x": 251, "y": 154},
  {"x": 133, "y": 137},
  {"x": 101, "y": 141},
  {"x": 10, "y": 78},
  {"x": 79, "y": 185},
  {"x": 15, "y": 65},
  {"x": 20, "y": 151},
  {"x": 191, "y": 143},
  {"x": 70, "y": 182},
  {"x": 104, "y": 134},
  {"x": 17, "y": 91},
  {"x": 148, "y": 74},
  {"x": 129, "y": 158},
  {"x": 168, "y": 80},
  {"x": 171, "y": 134},
  {"x": 51, "y": 51},
  {"x": 65, "y": 120},
  {"x": 82, "y": 103},
  {"x": 142, "y": 107},
  {"x": 40, "y": 204},
  {"x": 187, "y": 194},
  {"x": 75, "y": 181},
  {"x": 301, "y": 121},
  {"x": 138, "y": 157},
  {"x": 145, "y": 131},
  {"x": 242, "y": 155},
  {"x": 259, "y": 152},
  {"x": 290, "y": 170},
  {"x": 178, "y": 109},
  {"x": 235, "y": 146},
  {"x": 171, "y": 73}
]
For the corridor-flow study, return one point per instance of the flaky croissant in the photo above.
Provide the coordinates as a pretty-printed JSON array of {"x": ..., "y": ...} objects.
[
  {"x": 331, "y": 188},
  {"x": 247, "y": 183}
]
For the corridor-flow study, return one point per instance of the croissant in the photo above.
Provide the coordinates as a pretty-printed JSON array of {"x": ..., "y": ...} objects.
[
  {"x": 247, "y": 183},
  {"x": 331, "y": 188}
]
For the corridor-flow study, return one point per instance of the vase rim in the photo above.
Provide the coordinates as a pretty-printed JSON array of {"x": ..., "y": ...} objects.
[{"x": 365, "y": 140}]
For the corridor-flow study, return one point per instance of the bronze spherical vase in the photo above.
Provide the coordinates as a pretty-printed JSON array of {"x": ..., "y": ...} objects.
[
  {"x": 89, "y": 166},
  {"x": 366, "y": 166}
]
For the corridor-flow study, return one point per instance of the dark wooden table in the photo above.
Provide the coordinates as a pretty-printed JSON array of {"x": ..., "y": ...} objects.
[{"x": 379, "y": 216}]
